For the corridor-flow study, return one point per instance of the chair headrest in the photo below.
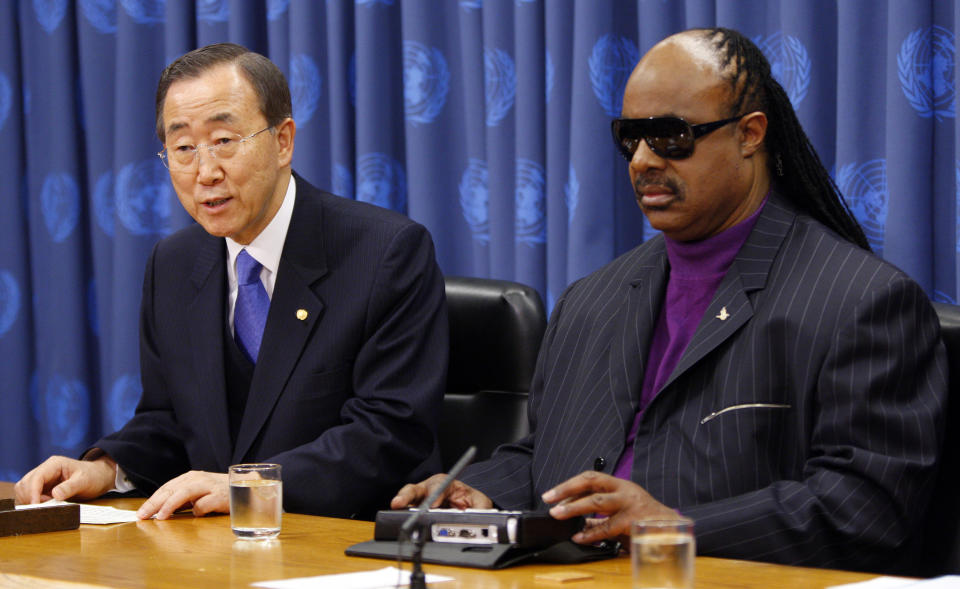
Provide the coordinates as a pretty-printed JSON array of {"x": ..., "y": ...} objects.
[{"x": 495, "y": 332}]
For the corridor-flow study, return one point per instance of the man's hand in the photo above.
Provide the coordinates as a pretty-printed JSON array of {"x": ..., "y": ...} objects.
[
  {"x": 62, "y": 478},
  {"x": 458, "y": 495},
  {"x": 207, "y": 492},
  {"x": 593, "y": 492}
]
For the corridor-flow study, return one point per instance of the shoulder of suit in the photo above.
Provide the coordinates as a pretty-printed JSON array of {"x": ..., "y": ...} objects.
[{"x": 341, "y": 209}]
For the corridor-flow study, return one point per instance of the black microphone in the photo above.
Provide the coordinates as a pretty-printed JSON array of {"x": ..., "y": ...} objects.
[
  {"x": 451, "y": 476},
  {"x": 418, "y": 580}
]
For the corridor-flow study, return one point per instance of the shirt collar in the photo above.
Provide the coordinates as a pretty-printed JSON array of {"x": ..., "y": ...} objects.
[{"x": 266, "y": 247}]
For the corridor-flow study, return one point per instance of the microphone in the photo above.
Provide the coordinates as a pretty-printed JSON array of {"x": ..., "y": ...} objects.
[
  {"x": 451, "y": 476},
  {"x": 417, "y": 579}
]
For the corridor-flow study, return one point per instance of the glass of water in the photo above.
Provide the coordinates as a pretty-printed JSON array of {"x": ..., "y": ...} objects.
[
  {"x": 662, "y": 553},
  {"x": 256, "y": 501}
]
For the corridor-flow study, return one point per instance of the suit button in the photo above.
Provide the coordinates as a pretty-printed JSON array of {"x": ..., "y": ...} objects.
[{"x": 599, "y": 463}]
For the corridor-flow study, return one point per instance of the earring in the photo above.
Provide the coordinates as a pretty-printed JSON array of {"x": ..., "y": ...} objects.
[{"x": 779, "y": 166}]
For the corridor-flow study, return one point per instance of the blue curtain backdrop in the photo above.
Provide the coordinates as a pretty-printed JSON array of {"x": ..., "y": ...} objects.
[{"x": 485, "y": 120}]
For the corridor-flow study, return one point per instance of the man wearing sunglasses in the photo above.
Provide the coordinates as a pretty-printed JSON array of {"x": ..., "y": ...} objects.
[
  {"x": 756, "y": 368},
  {"x": 288, "y": 325}
]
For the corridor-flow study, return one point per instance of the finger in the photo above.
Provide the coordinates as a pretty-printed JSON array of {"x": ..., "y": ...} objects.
[
  {"x": 33, "y": 487},
  {"x": 409, "y": 495},
  {"x": 463, "y": 496},
  {"x": 153, "y": 503},
  {"x": 180, "y": 497},
  {"x": 617, "y": 526},
  {"x": 583, "y": 484},
  {"x": 593, "y": 503},
  {"x": 211, "y": 503}
]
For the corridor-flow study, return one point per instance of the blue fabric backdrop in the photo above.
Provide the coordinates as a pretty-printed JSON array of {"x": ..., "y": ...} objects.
[{"x": 486, "y": 120}]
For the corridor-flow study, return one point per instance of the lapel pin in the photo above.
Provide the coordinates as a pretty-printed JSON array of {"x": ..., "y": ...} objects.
[
  {"x": 723, "y": 314},
  {"x": 302, "y": 314}
]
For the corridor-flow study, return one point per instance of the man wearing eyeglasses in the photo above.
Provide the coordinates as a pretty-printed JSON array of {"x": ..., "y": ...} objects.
[
  {"x": 289, "y": 326},
  {"x": 756, "y": 368}
]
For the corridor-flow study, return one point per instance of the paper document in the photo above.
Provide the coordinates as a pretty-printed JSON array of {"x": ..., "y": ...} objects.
[
  {"x": 92, "y": 514},
  {"x": 386, "y": 578},
  {"x": 898, "y": 583}
]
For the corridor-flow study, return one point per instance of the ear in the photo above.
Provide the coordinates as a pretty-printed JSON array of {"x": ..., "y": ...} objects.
[
  {"x": 753, "y": 129},
  {"x": 286, "y": 131}
]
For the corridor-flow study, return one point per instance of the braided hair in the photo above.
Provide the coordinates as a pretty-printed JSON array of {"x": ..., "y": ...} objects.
[{"x": 797, "y": 170}]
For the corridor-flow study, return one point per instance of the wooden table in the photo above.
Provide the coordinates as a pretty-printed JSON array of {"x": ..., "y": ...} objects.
[{"x": 201, "y": 552}]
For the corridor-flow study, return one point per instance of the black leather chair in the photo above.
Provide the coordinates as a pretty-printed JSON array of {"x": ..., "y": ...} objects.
[
  {"x": 495, "y": 332},
  {"x": 941, "y": 533}
]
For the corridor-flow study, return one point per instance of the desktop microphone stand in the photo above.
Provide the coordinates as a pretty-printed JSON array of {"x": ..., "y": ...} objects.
[
  {"x": 417, "y": 579},
  {"x": 417, "y": 531}
]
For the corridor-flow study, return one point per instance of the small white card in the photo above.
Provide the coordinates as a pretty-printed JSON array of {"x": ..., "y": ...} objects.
[
  {"x": 952, "y": 581},
  {"x": 92, "y": 514},
  {"x": 385, "y": 578}
]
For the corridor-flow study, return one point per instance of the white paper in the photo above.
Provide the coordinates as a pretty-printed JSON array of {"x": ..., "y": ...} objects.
[
  {"x": 382, "y": 579},
  {"x": 92, "y": 514},
  {"x": 952, "y": 581}
]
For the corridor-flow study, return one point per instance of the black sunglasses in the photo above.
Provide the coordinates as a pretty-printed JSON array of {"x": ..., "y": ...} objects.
[{"x": 669, "y": 137}]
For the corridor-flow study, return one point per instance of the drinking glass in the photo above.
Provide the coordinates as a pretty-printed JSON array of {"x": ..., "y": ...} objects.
[
  {"x": 256, "y": 501},
  {"x": 662, "y": 553}
]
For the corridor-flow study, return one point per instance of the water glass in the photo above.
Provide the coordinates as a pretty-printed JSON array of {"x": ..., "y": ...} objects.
[
  {"x": 662, "y": 553},
  {"x": 256, "y": 501}
]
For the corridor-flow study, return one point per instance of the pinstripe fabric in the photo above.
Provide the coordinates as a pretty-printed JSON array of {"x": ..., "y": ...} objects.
[{"x": 801, "y": 429}]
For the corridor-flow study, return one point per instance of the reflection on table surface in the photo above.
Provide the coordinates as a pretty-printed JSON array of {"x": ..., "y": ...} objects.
[{"x": 201, "y": 552}]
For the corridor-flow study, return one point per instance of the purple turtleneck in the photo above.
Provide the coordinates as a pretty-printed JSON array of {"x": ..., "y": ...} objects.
[{"x": 696, "y": 269}]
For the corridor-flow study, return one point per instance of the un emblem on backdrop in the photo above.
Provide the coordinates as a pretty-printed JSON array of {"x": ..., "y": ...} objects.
[
  {"x": 147, "y": 12},
  {"x": 101, "y": 14},
  {"x": 6, "y": 98},
  {"x": 213, "y": 10},
  {"x": 276, "y": 8},
  {"x": 925, "y": 65},
  {"x": 143, "y": 196},
  {"x": 475, "y": 199},
  {"x": 789, "y": 64},
  {"x": 60, "y": 204},
  {"x": 500, "y": 84},
  {"x": 67, "y": 411},
  {"x": 49, "y": 13},
  {"x": 342, "y": 181},
  {"x": 571, "y": 193},
  {"x": 304, "y": 87},
  {"x": 123, "y": 399},
  {"x": 865, "y": 188},
  {"x": 528, "y": 196},
  {"x": 426, "y": 81},
  {"x": 382, "y": 181},
  {"x": 611, "y": 62},
  {"x": 9, "y": 301}
]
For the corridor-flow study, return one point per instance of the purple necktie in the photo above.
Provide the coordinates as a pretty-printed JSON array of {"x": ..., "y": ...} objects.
[{"x": 250, "y": 313}]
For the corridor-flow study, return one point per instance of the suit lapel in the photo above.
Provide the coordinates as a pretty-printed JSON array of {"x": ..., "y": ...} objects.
[
  {"x": 295, "y": 310},
  {"x": 731, "y": 306},
  {"x": 633, "y": 325},
  {"x": 205, "y": 313}
]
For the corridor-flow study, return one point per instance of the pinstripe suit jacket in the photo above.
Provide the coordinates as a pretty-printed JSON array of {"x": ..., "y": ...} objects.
[{"x": 802, "y": 428}]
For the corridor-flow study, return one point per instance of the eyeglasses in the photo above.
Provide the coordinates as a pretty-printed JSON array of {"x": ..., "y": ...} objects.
[
  {"x": 182, "y": 157},
  {"x": 669, "y": 137}
]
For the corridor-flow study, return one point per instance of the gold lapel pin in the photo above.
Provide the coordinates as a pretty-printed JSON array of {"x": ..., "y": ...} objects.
[
  {"x": 302, "y": 314},
  {"x": 723, "y": 314}
]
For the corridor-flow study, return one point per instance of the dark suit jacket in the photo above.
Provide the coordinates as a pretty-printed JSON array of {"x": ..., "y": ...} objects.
[
  {"x": 803, "y": 427},
  {"x": 346, "y": 400}
]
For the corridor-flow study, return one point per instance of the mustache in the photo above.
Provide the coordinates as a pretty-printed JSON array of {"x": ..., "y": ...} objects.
[{"x": 642, "y": 181}]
